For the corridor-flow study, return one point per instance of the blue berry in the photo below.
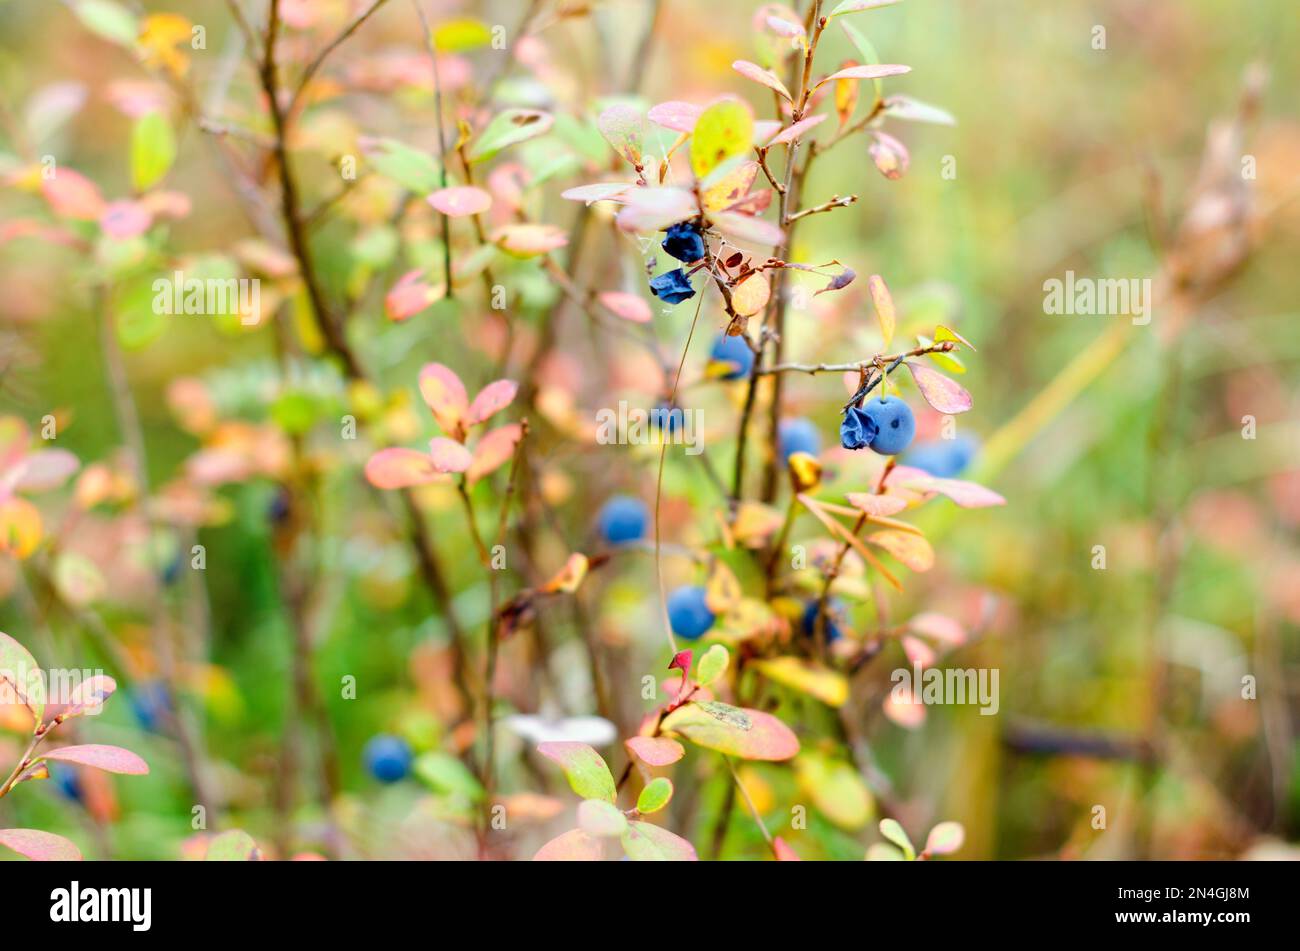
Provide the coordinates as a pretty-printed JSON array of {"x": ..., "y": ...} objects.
[
  {"x": 895, "y": 425},
  {"x": 684, "y": 242},
  {"x": 798, "y": 435},
  {"x": 834, "y": 611},
  {"x": 688, "y": 613},
  {"x": 857, "y": 430},
  {"x": 150, "y": 703},
  {"x": 66, "y": 781},
  {"x": 672, "y": 287},
  {"x": 622, "y": 519},
  {"x": 943, "y": 458},
  {"x": 388, "y": 758},
  {"x": 666, "y": 416},
  {"x": 734, "y": 354}
]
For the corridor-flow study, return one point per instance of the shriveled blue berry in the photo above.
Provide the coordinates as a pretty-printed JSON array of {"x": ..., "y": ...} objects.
[
  {"x": 672, "y": 287},
  {"x": 857, "y": 430},
  {"x": 684, "y": 242}
]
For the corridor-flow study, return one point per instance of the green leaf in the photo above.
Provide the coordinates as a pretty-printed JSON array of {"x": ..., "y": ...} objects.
[
  {"x": 747, "y": 734},
  {"x": 866, "y": 51},
  {"x": 510, "y": 128},
  {"x": 153, "y": 149},
  {"x": 108, "y": 19},
  {"x": 444, "y": 773},
  {"x": 857, "y": 6},
  {"x": 644, "y": 842},
  {"x": 19, "y": 668},
  {"x": 414, "y": 170},
  {"x": 723, "y": 131},
  {"x": 601, "y": 820},
  {"x": 655, "y": 795},
  {"x": 586, "y": 772},
  {"x": 712, "y": 665},
  {"x": 233, "y": 846},
  {"x": 892, "y": 831},
  {"x": 836, "y": 790}
]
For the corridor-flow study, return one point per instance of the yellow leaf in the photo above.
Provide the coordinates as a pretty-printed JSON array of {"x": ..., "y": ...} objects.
[
  {"x": 723, "y": 131},
  {"x": 723, "y": 591},
  {"x": 750, "y": 295},
  {"x": 575, "y": 569},
  {"x": 829, "y": 686},
  {"x": 884, "y": 302}
]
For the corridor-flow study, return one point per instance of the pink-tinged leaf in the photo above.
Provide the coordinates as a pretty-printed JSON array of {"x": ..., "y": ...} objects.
[
  {"x": 461, "y": 201},
  {"x": 877, "y": 71},
  {"x": 40, "y": 846},
  {"x": 678, "y": 116},
  {"x": 623, "y": 126},
  {"x": 445, "y": 395},
  {"x": 912, "y": 550},
  {"x": 447, "y": 455},
  {"x": 112, "y": 759},
  {"x": 798, "y": 130},
  {"x": 529, "y": 241},
  {"x": 644, "y": 842},
  {"x": 45, "y": 469},
  {"x": 583, "y": 767},
  {"x": 655, "y": 750},
  {"x": 918, "y": 652},
  {"x": 783, "y": 852},
  {"x": 125, "y": 219},
  {"x": 493, "y": 451},
  {"x": 748, "y": 734},
  {"x": 764, "y": 76},
  {"x": 884, "y": 304},
  {"x": 409, "y": 296},
  {"x": 400, "y": 469},
  {"x": 73, "y": 195},
  {"x": 889, "y": 154},
  {"x": 631, "y": 307},
  {"x": 745, "y": 228},
  {"x": 493, "y": 398},
  {"x": 969, "y": 495},
  {"x": 235, "y": 845},
  {"x": 913, "y": 110},
  {"x": 764, "y": 130},
  {"x": 653, "y": 209},
  {"x": 573, "y": 846},
  {"x": 879, "y": 505},
  {"x": 905, "y": 709},
  {"x": 856, "y": 6},
  {"x": 946, "y": 395},
  {"x": 599, "y": 191},
  {"x": 940, "y": 627},
  {"x": 89, "y": 696},
  {"x": 786, "y": 28},
  {"x": 945, "y": 838}
]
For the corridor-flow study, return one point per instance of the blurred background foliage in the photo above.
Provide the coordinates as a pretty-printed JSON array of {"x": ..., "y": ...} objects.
[{"x": 1066, "y": 157}]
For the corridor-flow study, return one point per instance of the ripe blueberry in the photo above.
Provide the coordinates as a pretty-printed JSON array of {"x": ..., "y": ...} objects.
[
  {"x": 667, "y": 417},
  {"x": 798, "y": 434},
  {"x": 834, "y": 612},
  {"x": 943, "y": 458},
  {"x": 732, "y": 354},
  {"x": 688, "y": 613},
  {"x": 672, "y": 287},
  {"x": 150, "y": 702},
  {"x": 388, "y": 758},
  {"x": 622, "y": 519},
  {"x": 684, "y": 242},
  {"x": 895, "y": 424}
]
